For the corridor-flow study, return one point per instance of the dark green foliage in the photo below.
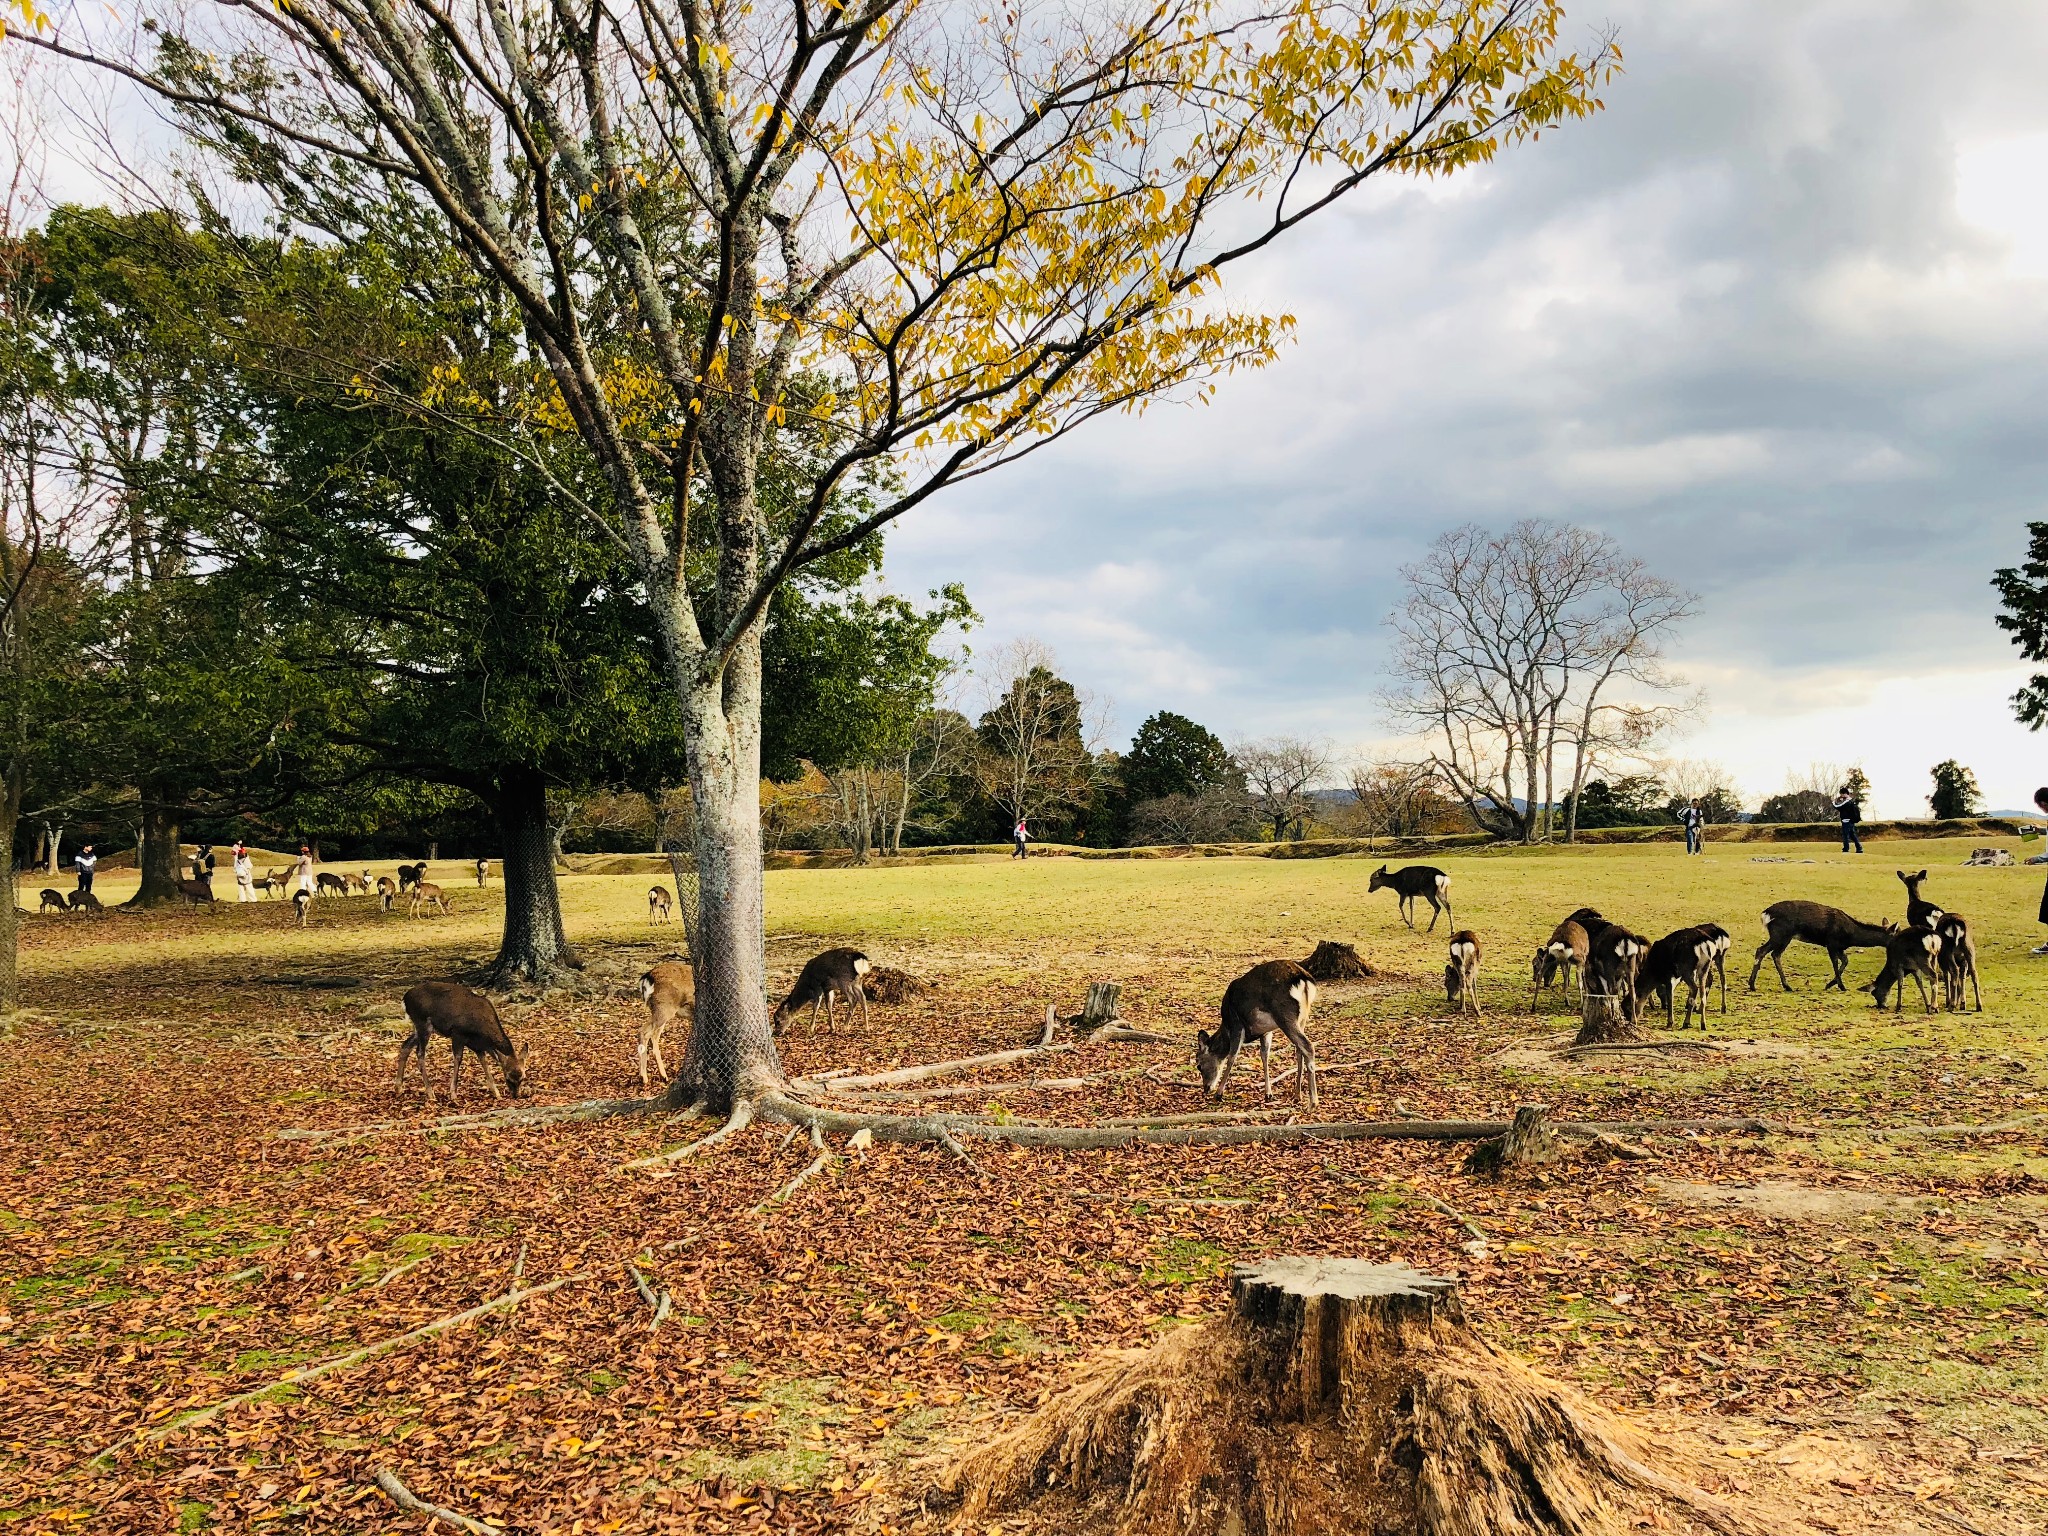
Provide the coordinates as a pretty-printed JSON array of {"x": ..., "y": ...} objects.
[
  {"x": 1796, "y": 805},
  {"x": 1635, "y": 800},
  {"x": 1955, "y": 791},
  {"x": 2023, "y": 594},
  {"x": 1172, "y": 755}
]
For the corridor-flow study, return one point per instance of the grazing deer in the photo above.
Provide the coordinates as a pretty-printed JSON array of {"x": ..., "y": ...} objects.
[
  {"x": 325, "y": 882},
  {"x": 1431, "y": 884},
  {"x": 1461, "y": 974},
  {"x": 1272, "y": 995},
  {"x": 85, "y": 901},
  {"x": 1958, "y": 961},
  {"x": 52, "y": 898},
  {"x": 470, "y": 1023},
  {"x": 358, "y": 885},
  {"x": 410, "y": 875},
  {"x": 426, "y": 894},
  {"x": 670, "y": 992},
  {"x": 1613, "y": 956},
  {"x": 483, "y": 871},
  {"x": 1919, "y": 913},
  {"x": 1684, "y": 957},
  {"x": 1808, "y": 922},
  {"x": 197, "y": 891},
  {"x": 302, "y": 905},
  {"x": 834, "y": 974},
  {"x": 1557, "y": 957},
  {"x": 387, "y": 891},
  {"x": 1913, "y": 952},
  {"x": 660, "y": 905},
  {"x": 1723, "y": 941}
]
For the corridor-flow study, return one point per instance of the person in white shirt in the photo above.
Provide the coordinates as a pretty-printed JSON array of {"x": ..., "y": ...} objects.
[
  {"x": 245, "y": 874},
  {"x": 304, "y": 872},
  {"x": 1021, "y": 836}
]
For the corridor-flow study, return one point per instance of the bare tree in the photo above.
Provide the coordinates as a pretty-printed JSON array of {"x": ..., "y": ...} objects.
[
  {"x": 941, "y": 746},
  {"x": 1528, "y": 658},
  {"x": 1034, "y": 731},
  {"x": 1218, "y": 814},
  {"x": 1394, "y": 797},
  {"x": 1278, "y": 773}
]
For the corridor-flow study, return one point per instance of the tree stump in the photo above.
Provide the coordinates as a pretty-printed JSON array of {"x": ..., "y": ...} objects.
[
  {"x": 1336, "y": 962},
  {"x": 1528, "y": 1142},
  {"x": 1336, "y": 1396},
  {"x": 1100, "y": 1007},
  {"x": 1604, "y": 1019}
]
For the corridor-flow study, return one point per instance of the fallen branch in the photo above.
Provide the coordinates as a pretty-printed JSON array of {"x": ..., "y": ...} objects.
[
  {"x": 1480, "y": 1240},
  {"x": 405, "y": 1499},
  {"x": 941, "y": 1068},
  {"x": 553, "y": 1114},
  {"x": 640, "y": 1284},
  {"x": 1117, "y": 1030},
  {"x": 304, "y": 1374}
]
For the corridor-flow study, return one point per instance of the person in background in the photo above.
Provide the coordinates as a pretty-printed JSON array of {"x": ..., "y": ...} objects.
[
  {"x": 302, "y": 874},
  {"x": 1689, "y": 818},
  {"x": 1852, "y": 817},
  {"x": 86, "y": 862},
  {"x": 245, "y": 874},
  {"x": 1020, "y": 835},
  {"x": 202, "y": 864},
  {"x": 2041, "y": 805}
]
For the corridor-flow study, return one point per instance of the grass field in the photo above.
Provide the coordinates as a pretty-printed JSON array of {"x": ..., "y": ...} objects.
[{"x": 1851, "y": 1318}]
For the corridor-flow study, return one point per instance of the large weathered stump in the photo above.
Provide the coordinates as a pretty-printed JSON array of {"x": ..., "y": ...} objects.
[
  {"x": 1336, "y": 1397},
  {"x": 1528, "y": 1141},
  {"x": 1604, "y": 1020}
]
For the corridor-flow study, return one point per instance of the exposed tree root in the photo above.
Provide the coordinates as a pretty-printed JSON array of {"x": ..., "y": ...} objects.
[
  {"x": 932, "y": 1069},
  {"x": 551, "y": 1114},
  {"x": 1337, "y": 1397},
  {"x": 742, "y": 1116},
  {"x": 406, "y": 1499},
  {"x": 816, "y": 1166}
]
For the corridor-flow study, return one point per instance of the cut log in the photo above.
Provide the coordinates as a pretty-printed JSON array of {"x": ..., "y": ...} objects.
[
  {"x": 1336, "y": 962},
  {"x": 1336, "y": 1396},
  {"x": 1100, "y": 1008},
  {"x": 1527, "y": 1143},
  {"x": 1604, "y": 1020}
]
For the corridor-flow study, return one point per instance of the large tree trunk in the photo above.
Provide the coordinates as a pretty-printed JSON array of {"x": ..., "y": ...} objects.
[
  {"x": 10, "y": 922},
  {"x": 533, "y": 946},
  {"x": 156, "y": 854}
]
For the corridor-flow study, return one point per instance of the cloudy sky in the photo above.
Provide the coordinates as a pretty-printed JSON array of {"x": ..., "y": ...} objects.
[{"x": 1777, "y": 320}]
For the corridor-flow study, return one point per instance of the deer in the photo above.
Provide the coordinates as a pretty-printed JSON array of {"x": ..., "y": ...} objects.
[
  {"x": 660, "y": 905},
  {"x": 1723, "y": 941},
  {"x": 1613, "y": 956},
  {"x": 834, "y": 974},
  {"x": 302, "y": 905},
  {"x": 1685, "y": 956},
  {"x": 358, "y": 885},
  {"x": 1919, "y": 913},
  {"x": 52, "y": 899},
  {"x": 1913, "y": 952},
  {"x": 1461, "y": 973},
  {"x": 325, "y": 882},
  {"x": 274, "y": 881},
  {"x": 670, "y": 992},
  {"x": 426, "y": 894},
  {"x": 387, "y": 891},
  {"x": 470, "y": 1023},
  {"x": 410, "y": 875},
  {"x": 1559, "y": 955},
  {"x": 85, "y": 901},
  {"x": 1272, "y": 995},
  {"x": 1958, "y": 961},
  {"x": 1811, "y": 923},
  {"x": 198, "y": 892},
  {"x": 483, "y": 873},
  {"x": 1423, "y": 880}
]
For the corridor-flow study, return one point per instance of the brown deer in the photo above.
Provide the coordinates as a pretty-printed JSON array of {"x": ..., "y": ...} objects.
[
  {"x": 470, "y": 1023},
  {"x": 275, "y": 881},
  {"x": 1557, "y": 957},
  {"x": 302, "y": 905},
  {"x": 1808, "y": 922},
  {"x": 325, "y": 882},
  {"x": 410, "y": 875},
  {"x": 1919, "y": 913},
  {"x": 387, "y": 891},
  {"x": 52, "y": 900},
  {"x": 426, "y": 894},
  {"x": 660, "y": 905},
  {"x": 1272, "y": 995},
  {"x": 1432, "y": 885},
  {"x": 1461, "y": 974},
  {"x": 1958, "y": 961},
  {"x": 1913, "y": 952},
  {"x": 198, "y": 892},
  {"x": 483, "y": 872},
  {"x": 836, "y": 973},
  {"x": 85, "y": 901},
  {"x": 1613, "y": 957},
  {"x": 670, "y": 992},
  {"x": 1684, "y": 957}
]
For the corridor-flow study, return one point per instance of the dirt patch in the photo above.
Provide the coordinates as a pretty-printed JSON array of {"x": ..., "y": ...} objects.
[
  {"x": 1337, "y": 962},
  {"x": 1554, "y": 1054},
  {"x": 888, "y": 986},
  {"x": 1789, "y": 1201}
]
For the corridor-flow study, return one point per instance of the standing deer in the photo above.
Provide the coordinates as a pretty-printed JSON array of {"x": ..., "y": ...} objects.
[
  {"x": 1919, "y": 913},
  {"x": 470, "y": 1023},
  {"x": 410, "y": 875},
  {"x": 1958, "y": 961},
  {"x": 670, "y": 992},
  {"x": 325, "y": 882},
  {"x": 1557, "y": 957},
  {"x": 387, "y": 891},
  {"x": 1723, "y": 941},
  {"x": 1684, "y": 957},
  {"x": 1272, "y": 995},
  {"x": 85, "y": 901},
  {"x": 483, "y": 871},
  {"x": 1423, "y": 880},
  {"x": 52, "y": 900},
  {"x": 198, "y": 892},
  {"x": 302, "y": 904},
  {"x": 1613, "y": 956},
  {"x": 1910, "y": 952},
  {"x": 660, "y": 905},
  {"x": 1808, "y": 922},
  {"x": 834, "y": 974},
  {"x": 1461, "y": 974},
  {"x": 426, "y": 894}
]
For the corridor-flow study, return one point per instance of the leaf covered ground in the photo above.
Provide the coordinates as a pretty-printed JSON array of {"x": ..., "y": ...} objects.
[{"x": 1853, "y": 1318}]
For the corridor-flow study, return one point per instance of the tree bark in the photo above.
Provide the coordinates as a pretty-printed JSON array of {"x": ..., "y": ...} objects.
[
  {"x": 533, "y": 946},
  {"x": 156, "y": 855},
  {"x": 10, "y": 920},
  {"x": 1605, "y": 1019},
  {"x": 1528, "y": 1142}
]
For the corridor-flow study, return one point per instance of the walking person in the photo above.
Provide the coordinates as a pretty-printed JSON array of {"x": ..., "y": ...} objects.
[
  {"x": 1689, "y": 817},
  {"x": 2041, "y": 804},
  {"x": 1019, "y": 836},
  {"x": 1852, "y": 818},
  {"x": 302, "y": 872},
  {"x": 245, "y": 874},
  {"x": 86, "y": 862}
]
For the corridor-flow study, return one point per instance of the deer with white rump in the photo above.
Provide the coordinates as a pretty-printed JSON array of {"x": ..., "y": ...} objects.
[
  {"x": 670, "y": 992},
  {"x": 1557, "y": 957},
  {"x": 1417, "y": 880},
  {"x": 834, "y": 974},
  {"x": 1811, "y": 923},
  {"x": 1272, "y": 995},
  {"x": 1461, "y": 974}
]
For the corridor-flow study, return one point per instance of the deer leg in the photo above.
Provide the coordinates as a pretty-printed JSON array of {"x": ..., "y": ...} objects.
[
  {"x": 1305, "y": 1086},
  {"x": 861, "y": 993},
  {"x": 455, "y": 1072},
  {"x": 1266, "y": 1062},
  {"x": 1840, "y": 957},
  {"x": 1407, "y": 905},
  {"x": 1435, "y": 911},
  {"x": 660, "y": 1061}
]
